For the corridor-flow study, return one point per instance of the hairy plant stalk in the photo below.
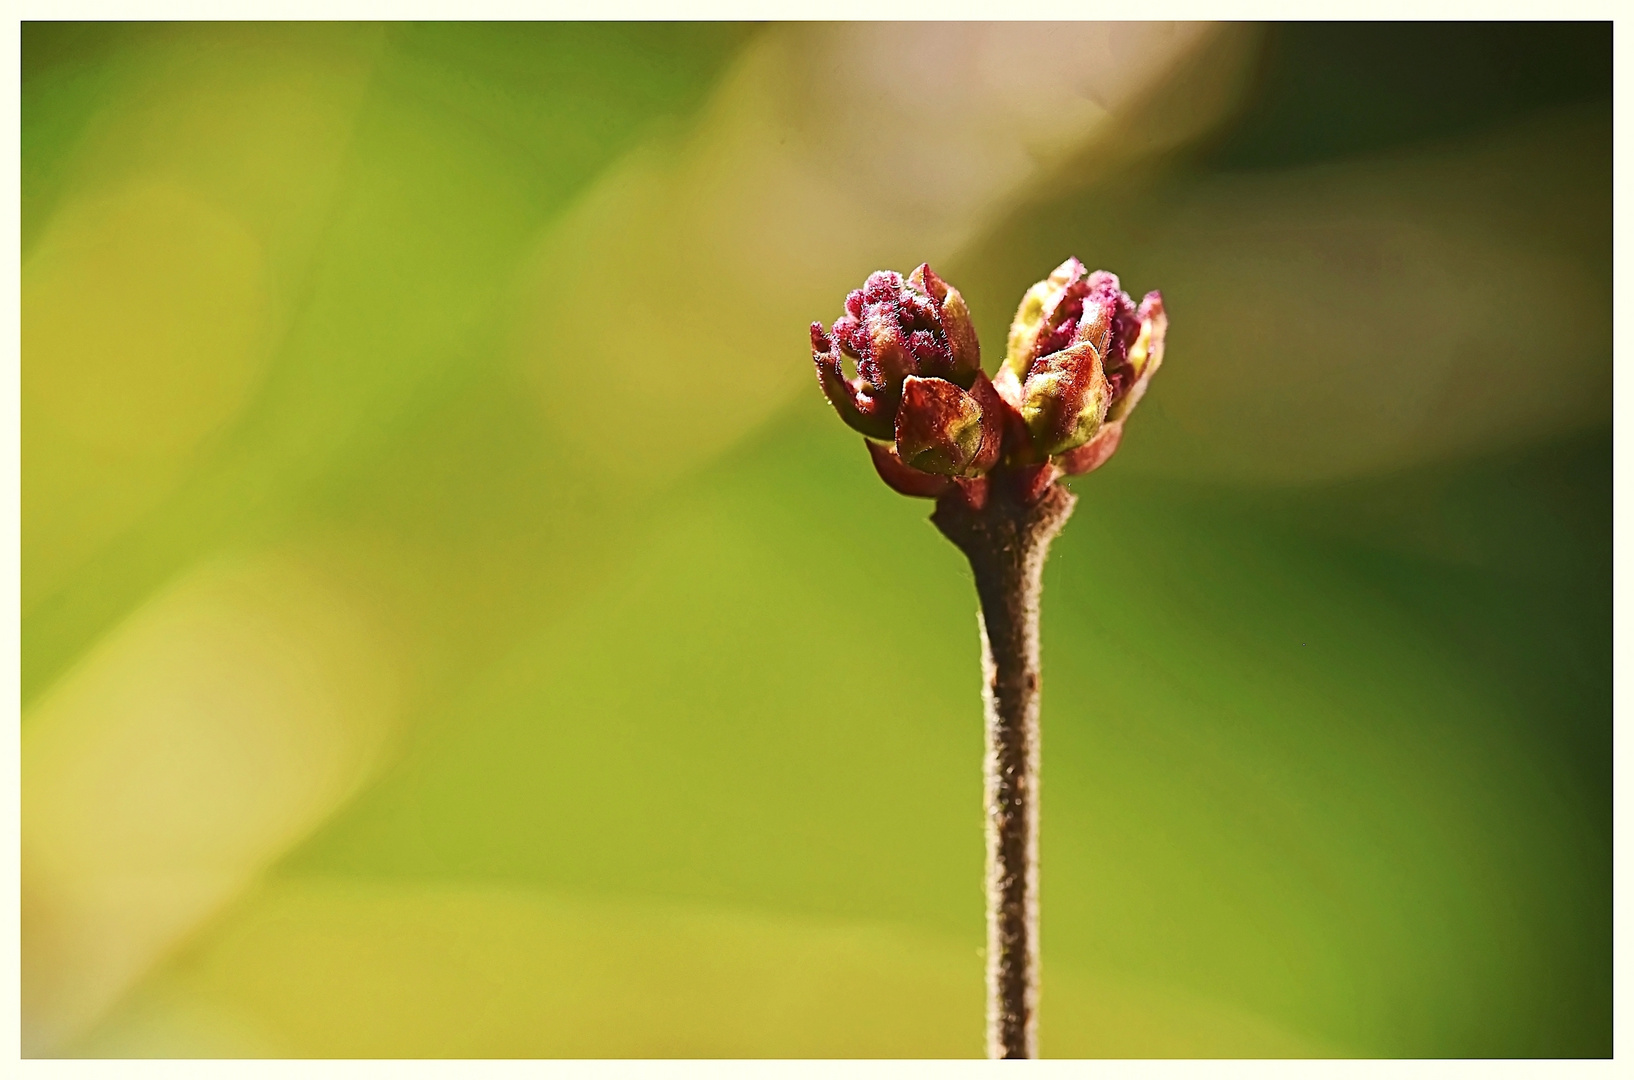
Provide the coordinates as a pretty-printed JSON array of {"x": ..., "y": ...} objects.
[
  {"x": 992, "y": 450},
  {"x": 1006, "y": 541}
]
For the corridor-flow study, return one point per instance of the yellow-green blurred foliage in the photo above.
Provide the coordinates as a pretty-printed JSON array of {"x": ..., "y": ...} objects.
[{"x": 453, "y": 623}]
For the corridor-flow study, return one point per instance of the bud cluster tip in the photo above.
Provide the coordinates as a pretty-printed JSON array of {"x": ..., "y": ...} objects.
[{"x": 1079, "y": 356}]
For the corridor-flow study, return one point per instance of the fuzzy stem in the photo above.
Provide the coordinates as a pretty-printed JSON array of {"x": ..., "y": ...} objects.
[{"x": 1006, "y": 541}]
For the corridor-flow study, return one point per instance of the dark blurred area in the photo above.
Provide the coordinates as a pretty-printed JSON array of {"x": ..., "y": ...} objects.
[{"x": 1331, "y": 90}]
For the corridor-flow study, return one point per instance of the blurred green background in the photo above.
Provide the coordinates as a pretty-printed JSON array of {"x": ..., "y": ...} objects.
[{"x": 454, "y": 624}]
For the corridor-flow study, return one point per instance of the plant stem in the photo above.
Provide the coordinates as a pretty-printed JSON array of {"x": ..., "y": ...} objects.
[{"x": 1006, "y": 541}]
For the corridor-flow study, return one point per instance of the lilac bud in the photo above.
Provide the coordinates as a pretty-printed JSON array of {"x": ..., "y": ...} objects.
[
  {"x": 1080, "y": 355},
  {"x": 919, "y": 381},
  {"x": 895, "y": 327},
  {"x": 1064, "y": 399},
  {"x": 938, "y": 426},
  {"x": 854, "y": 399},
  {"x": 944, "y": 430},
  {"x": 955, "y": 320},
  {"x": 1140, "y": 358},
  {"x": 1047, "y": 319}
]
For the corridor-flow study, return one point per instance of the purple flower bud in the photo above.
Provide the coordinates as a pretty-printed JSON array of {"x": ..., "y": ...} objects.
[
  {"x": 1140, "y": 359},
  {"x": 938, "y": 426},
  {"x": 919, "y": 381},
  {"x": 1079, "y": 358},
  {"x": 853, "y": 399},
  {"x": 895, "y": 327},
  {"x": 1080, "y": 355},
  {"x": 944, "y": 430},
  {"x": 1065, "y": 399},
  {"x": 1047, "y": 320},
  {"x": 1142, "y": 356},
  {"x": 955, "y": 321}
]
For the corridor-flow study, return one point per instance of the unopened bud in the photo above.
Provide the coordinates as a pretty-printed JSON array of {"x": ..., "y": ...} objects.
[
  {"x": 945, "y": 430},
  {"x": 1080, "y": 355},
  {"x": 955, "y": 322},
  {"x": 938, "y": 426},
  {"x": 1047, "y": 319},
  {"x": 919, "y": 381},
  {"x": 1064, "y": 399},
  {"x": 1142, "y": 357},
  {"x": 856, "y": 400}
]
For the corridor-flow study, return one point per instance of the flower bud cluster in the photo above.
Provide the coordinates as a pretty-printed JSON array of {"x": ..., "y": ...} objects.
[{"x": 1079, "y": 357}]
